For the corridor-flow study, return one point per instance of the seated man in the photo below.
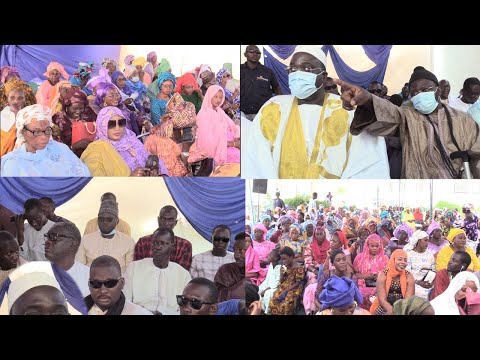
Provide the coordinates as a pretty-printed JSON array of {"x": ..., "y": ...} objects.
[
  {"x": 30, "y": 236},
  {"x": 106, "y": 284},
  {"x": 9, "y": 255},
  {"x": 61, "y": 245},
  {"x": 48, "y": 207},
  {"x": 106, "y": 240},
  {"x": 122, "y": 226},
  {"x": 198, "y": 298},
  {"x": 154, "y": 283},
  {"x": 230, "y": 278},
  {"x": 182, "y": 248},
  {"x": 207, "y": 263}
]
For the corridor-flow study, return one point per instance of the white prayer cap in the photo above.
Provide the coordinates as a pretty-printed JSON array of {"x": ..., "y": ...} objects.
[
  {"x": 315, "y": 50},
  {"x": 28, "y": 276}
]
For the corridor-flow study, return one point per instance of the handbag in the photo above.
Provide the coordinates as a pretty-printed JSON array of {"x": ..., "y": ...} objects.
[{"x": 83, "y": 130}]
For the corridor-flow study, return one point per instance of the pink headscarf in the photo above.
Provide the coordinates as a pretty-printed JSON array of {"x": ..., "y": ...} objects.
[
  {"x": 366, "y": 263},
  {"x": 213, "y": 126},
  {"x": 150, "y": 55},
  {"x": 432, "y": 227},
  {"x": 129, "y": 70},
  {"x": 56, "y": 66},
  {"x": 129, "y": 59},
  {"x": 102, "y": 77},
  {"x": 252, "y": 264},
  {"x": 6, "y": 71},
  {"x": 293, "y": 214},
  {"x": 263, "y": 228}
]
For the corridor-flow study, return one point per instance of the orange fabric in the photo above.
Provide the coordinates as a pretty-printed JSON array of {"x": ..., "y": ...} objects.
[
  {"x": 7, "y": 140},
  {"x": 391, "y": 273},
  {"x": 169, "y": 151},
  {"x": 46, "y": 93}
]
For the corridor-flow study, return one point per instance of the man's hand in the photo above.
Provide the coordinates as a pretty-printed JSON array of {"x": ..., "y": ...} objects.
[{"x": 352, "y": 94}]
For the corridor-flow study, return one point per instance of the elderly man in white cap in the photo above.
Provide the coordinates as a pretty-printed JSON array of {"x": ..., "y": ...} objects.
[{"x": 305, "y": 135}]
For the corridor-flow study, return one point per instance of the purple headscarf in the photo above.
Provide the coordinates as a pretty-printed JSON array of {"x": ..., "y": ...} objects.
[
  {"x": 6, "y": 71},
  {"x": 405, "y": 228},
  {"x": 129, "y": 147},
  {"x": 432, "y": 227},
  {"x": 126, "y": 89},
  {"x": 150, "y": 55}
]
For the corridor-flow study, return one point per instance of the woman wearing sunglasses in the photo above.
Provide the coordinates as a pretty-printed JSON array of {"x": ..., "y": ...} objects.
[
  {"x": 36, "y": 153},
  {"x": 116, "y": 150}
]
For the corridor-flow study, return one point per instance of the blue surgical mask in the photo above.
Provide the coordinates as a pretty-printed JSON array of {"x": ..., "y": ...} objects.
[
  {"x": 111, "y": 232},
  {"x": 425, "y": 102},
  {"x": 135, "y": 79},
  {"x": 302, "y": 83}
]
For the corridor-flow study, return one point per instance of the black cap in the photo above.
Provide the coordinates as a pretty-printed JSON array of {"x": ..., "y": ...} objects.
[{"x": 421, "y": 73}]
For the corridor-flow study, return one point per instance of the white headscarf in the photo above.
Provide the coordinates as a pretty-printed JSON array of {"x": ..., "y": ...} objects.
[
  {"x": 445, "y": 303},
  {"x": 27, "y": 115},
  {"x": 314, "y": 50},
  {"x": 417, "y": 235}
]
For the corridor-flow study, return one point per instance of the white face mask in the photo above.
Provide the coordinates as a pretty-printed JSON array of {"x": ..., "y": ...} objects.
[{"x": 135, "y": 79}]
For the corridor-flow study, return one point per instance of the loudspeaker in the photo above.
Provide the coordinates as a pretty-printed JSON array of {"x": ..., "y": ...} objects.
[{"x": 260, "y": 186}]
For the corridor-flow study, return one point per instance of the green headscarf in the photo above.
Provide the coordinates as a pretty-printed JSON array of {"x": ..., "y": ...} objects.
[
  {"x": 162, "y": 67},
  {"x": 414, "y": 305}
]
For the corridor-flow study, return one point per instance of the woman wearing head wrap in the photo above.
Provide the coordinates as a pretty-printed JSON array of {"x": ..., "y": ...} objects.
[
  {"x": 252, "y": 264},
  {"x": 231, "y": 105},
  {"x": 49, "y": 88},
  {"x": 229, "y": 307},
  {"x": 165, "y": 140},
  {"x": 295, "y": 242},
  {"x": 368, "y": 264},
  {"x": 82, "y": 75},
  {"x": 8, "y": 73},
  {"x": 414, "y": 305},
  {"x": 139, "y": 63},
  {"x": 341, "y": 297},
  {"x": 316, "y": 253},
  {"x": 399, "y": 239},
  {"x": 308, "y": 228},
  {"x": 73, "y": 109},
  {"x": 284, "y": 232},
  {"x": 458, "y": 241},
  {"x": 36, "y": 153},
  {"x": 437, "y": 241},
  {"x": 217, "y": 134},
  {"x": 452, "y": 300},
  {"x": 110, "y": 65},
  {"x": 164, "y": 66},
  {"x": 408, "y": 218},
  {"x": 17, "y": 96},
  {"x": 338, "y": 241},
  {"x": 357, "y": 246},
  {"x": 152, "y": 64},
  {"x": 165, "y": 86},
  {"x": 188, "y": 88},
  {"x": 420, "y": 262},
  {"x": 128, "y": 60},
  {"x": 350, "y": 228},
  {"x": 41, "y": 288},
  {"x": 261, "y": 245},
  {"x": 136, "y": 86},
  {"x": 393, "y": 283},
  {"x": 112, "y": 131}
]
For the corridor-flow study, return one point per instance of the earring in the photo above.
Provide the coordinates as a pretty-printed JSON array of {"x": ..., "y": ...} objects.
[{"x": 105, "y": 104}]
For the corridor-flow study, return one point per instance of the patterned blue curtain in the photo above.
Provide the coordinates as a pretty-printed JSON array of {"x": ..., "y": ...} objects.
[
  {"x": 202, "y": 199},
  {"x": 283, "y": 51},
  {"x": 279, "y": 69},
  {"x": 14, "y": 191}
]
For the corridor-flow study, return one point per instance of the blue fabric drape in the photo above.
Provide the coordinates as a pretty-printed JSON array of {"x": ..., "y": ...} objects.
[
  {"x": 360, "y": 78},
  {"x": 15, "y": 191},
  {"x": 283, "y": 51},
  {"x": 32, "y": 60},
  {"x": 279, "y": 69},
  {"x": 379, "y": 54},
  {"x": 202, "y": 199}
]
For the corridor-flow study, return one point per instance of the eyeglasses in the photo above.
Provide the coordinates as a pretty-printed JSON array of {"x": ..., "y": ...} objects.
[
  {"x": 332, "y": 87},
  {"x": 112, "y": 124},
  {"x": 224, "y": 239},
  {"x": 194, "y": 303},
  {"x": 48, "y": 131},
  {"x": 55, "y": 236},
  {"x": 291, "y": 69},
  {"x": 431, "y": 88},
  {"x": 97, "y": 284},
  {"x": 375, "y": 91},
  {"x": 254, "y": 52}
]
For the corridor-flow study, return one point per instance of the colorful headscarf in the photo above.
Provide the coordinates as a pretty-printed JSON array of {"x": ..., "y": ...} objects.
[
  {"x": 283, "y": 219},
  {"x": 28, "y": 114},
  {"x": 213, "y": 126},
  {"x": 150, "y": 55},
  {"x": 263, "y": 228},
  {"x": 128, "y": 143},
  {"x": 6, "y": 71},
  {"x": 140, "y": 61},
  {"x": 164, "y": 66},
  {"x": 83, "y": 68},
  {"x": 229, "y": 307},
  {"x": 366, "y": 263},
  {"x": 129, "y": 59},
  {"x": 454, "y": 232},
  {"x": 129, "y": 70},
  {"x": 106, "y": 61},
  {"x": 319, "y": 252},
  {"x": 263, "y": 217},
  {"x": 405, "y": 228},
  {"x": 308, "y": 222},
  {"x": 414, "y": 305},
  {"x": 164, "y": 76},
  {"x": 115, "y": 75},
  {"x": 220, "y": 75},
  {"x": 417, "y": 235},
  {"x": 200, "y": 70},
  {"x": 297, "y": 227},
  {"x": 342, "y": 238},
  {"x": 339, "y": 292},
  {"x": 293, "y": 214},
  {"x": 392, "y": 273},
  {"x": 56, "y": 66},
  {"x": 434, "y": 225},
  {"x": 102, "y": 77},
  {"x": 186, "y": 79},
  {"x": 182, "y": 114},
  {"x": 19, "y": 85}
]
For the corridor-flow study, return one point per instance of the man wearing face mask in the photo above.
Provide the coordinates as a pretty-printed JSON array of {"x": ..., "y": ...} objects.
[
  {"x": 305, "y": 135},
  {"x": 429, "y": 131}
]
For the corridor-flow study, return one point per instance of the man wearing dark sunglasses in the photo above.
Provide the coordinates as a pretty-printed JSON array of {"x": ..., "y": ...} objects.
[
  {"x": 434, "y": 136},
  {"x": 305, "y": 135},
  {"x": 198, "y": 298},
  {"x": 182, "y": 252},
  {"x": 154, "y": 283},
  {"x": 30, "y": 236},
  {"x": 206, "y": 264},
  {"x": 61, "y": 246},
  {"x": 257, "y": 83},
  {"x": 106, "y": 284}
]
